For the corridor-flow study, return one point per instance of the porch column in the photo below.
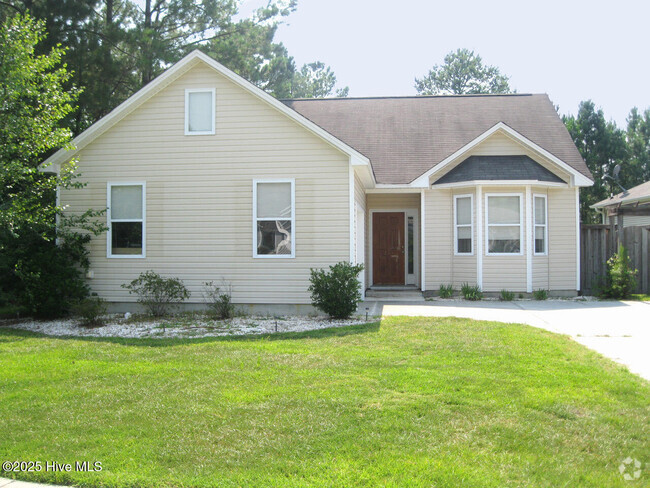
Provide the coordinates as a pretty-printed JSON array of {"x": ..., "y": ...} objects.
[{"x": 422, "y": 248}]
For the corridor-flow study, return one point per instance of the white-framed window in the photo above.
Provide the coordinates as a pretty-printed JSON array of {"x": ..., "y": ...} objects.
[
  {"x": 504, "y": 229},
  {"x": 274, "y": 218},
  {"x": 199, "y": 111},
  {"x": 126, "y": 237},
  {"x": 540, "y": 224},
  {"x": 463, "y": 224}
]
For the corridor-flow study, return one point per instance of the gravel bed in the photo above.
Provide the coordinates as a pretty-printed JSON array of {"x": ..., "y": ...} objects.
[{"x": 118, "y": 326}]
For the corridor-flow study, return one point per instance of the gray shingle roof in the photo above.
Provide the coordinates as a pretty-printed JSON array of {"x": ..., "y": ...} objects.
[
  {"x": 406, "y": 136},
  {"x": 487, "y": 168},
  {"x": 639, "y": 193}
]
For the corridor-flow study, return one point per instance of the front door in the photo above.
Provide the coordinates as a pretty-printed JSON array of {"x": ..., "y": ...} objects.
[{"x": 388, "y": 248}]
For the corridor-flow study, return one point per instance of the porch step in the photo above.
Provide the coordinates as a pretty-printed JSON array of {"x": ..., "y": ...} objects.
[{"x": 405, "y": 295}]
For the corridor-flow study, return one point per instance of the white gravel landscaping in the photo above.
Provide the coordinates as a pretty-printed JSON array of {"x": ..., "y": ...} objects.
[{"x": 180, "y": 326}]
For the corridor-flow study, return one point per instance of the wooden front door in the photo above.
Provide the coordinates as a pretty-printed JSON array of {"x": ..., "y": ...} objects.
[{"x": 388, "y": 248}]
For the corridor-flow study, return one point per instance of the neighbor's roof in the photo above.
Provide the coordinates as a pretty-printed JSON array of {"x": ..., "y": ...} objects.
[
  {"x": 638, "y": 194},
  {"x": 405, "y": 137},
  {"x": 487, "y": 168}
]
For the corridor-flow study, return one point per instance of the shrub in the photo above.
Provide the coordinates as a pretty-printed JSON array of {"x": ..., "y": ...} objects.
[
  {"x": 157, "y": 294},
  {"x": 446, "y": 291},
  {"x": 507, "y": 296},
  {"x": 620, "y": 281},
  {"x": 540, "y": 294},
  {"x": 219, "y": 299},
  {"x": 471, "y": 292},
  {"x": 90, "y": 310},
  {"x": 337, "y": 292}
]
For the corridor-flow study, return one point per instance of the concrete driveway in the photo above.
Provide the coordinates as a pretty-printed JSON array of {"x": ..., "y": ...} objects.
[{"x": 619, "y": 330}]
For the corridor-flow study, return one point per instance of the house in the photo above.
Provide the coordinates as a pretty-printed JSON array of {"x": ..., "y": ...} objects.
[
  {"x": 629, "y": 208},
  {"x": 206, "y": 177}
]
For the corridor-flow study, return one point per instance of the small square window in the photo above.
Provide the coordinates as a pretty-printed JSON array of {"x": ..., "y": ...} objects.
[{"x": 199, "y": 111}]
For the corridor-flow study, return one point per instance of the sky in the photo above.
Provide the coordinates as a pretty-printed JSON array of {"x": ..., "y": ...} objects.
[{"x": 573, "y": 50}]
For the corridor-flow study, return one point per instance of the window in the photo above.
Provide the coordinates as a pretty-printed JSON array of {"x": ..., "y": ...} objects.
[
  {"x": 126, "y": 220},
  {"x": 463, "y": 224},
  {"x": 540, "y": 216},
  {"x": 199, "y": 111},
  {"x": 411, "y": 245},
  {"x": 273, "y": 218},
  {"x": 503, "y": 217}
]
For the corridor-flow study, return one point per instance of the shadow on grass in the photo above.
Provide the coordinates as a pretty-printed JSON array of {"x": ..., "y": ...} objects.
[{"x": 8, "y": 334}]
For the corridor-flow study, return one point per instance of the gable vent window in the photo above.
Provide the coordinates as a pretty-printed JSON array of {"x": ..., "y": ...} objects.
[
  {"x": 273, "y": 218},
  {"x": 199, "y": 111},
  {"x": 126, "y": 220}
]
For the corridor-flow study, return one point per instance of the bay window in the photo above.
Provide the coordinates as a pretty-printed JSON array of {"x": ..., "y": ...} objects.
[
  {"x": 463, "y": 224},
  {"x": 503, "y": 215},
  {"x": 540, "y": 224}
]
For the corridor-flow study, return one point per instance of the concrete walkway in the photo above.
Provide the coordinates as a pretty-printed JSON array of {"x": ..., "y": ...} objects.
[
  {"x": 7, "y": 483},
  {"x": 619, "y": 330}
]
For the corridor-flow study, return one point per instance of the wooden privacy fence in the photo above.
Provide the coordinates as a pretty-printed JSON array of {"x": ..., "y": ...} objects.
[{"x": 599, "y": 242}]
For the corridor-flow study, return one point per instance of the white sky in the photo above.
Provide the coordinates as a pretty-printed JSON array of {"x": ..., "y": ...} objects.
[{"x": 571, "y": 49}]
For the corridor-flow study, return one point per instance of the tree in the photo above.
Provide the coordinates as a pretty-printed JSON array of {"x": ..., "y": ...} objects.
[
  {"x": 638, "y": 142},
  {"x": 463, "y": 72},
  {"x": 36, "y": 271},
  {"x": 602, "y": 145},
  {"x": 315, "y": 80}
]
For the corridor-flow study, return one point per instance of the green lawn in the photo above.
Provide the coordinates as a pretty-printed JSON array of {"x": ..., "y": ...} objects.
[{"x": 408, "y": 402}]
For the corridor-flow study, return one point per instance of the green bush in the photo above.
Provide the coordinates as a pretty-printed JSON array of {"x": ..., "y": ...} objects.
[
  {"x": 446, "y": 291},
  {"x": 91, "y": 310},
  {"x": 337, "y": 292},
  {"x": 471, "y": 292},
  {"x": 507, "y": 296},
  {"x": 219, "y": 299},
  {"x": 157, "y": 294},
  {"x": 540, "y": 294},
  {"x": 620, "y": 281}
]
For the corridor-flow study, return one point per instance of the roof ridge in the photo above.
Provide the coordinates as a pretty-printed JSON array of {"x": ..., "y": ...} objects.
[{"x": 402, "y": 97}]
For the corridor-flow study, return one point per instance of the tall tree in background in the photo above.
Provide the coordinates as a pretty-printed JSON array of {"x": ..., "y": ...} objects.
[
  {"x": 315, "y": 80},
  {"x": 602, "y": 145},
  {"x": 114, "y": 47},
  {"x": 638, "y": 143},
  {"x": 463, "y": 72}
]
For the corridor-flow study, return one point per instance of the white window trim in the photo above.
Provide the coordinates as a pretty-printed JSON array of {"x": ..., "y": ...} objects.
[
  {"x": 109, "y": 220},
  {"x": 293, "y": 218},
  {"x": 488, "y": 225},
  {"x": 535, "y": 225},
  {"x": 187, "y": 111},
  {"x": 470, "y": 225}
]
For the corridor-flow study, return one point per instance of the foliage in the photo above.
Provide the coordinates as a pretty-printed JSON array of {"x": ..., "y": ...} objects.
[
  {"x": 315, "y": 80},
  {"x": 638, "y": 143},
  {"x": 620, "y": 281},
  {"x": 157, "y": 294},
  {"x": 602, "y": 146},
  {"x": 446, "y": 291},
  {"x": 117, "y": 46},
  {"x": 344, "y": 389},
  {"x": 43, "y": 277},
  {"x": 463, "y": 72},
  {"x": 91, "y": 310},
  {"x": 336, "y": 292},
  {"x": 540, "y": 294},
  {"x": 219, "y": 299},
  {"x": 471, "y": 292},
  {"x": 507, "y": 296}
]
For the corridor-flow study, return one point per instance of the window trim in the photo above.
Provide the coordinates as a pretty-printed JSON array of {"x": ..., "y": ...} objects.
[
  {"x": 488, "y": 225},
  {"x": 188, "y": 91},
  {"x": 109, "y": 220},
  {"x": 535, "y": 225},
  {"x": 471, "y": 224},
  {"x": 293, "y": 218}
]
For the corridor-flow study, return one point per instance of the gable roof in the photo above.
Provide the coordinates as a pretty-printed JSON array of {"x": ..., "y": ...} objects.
[
  {"x": 637, "y": 194},
  {"x": 486, "y": 168},
  {"x": 404, "y": 137},
  {"x": 172, "y": 74}
]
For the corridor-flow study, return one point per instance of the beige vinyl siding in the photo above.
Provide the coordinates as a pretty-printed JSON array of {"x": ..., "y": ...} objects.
[
  {"x": 200, "y": 191},
  {"x": 633, "y": 220},
  {"x": 388, "y": 202},
  {"x": 498, "y": 144},
  {"x": 562, "y": 266},
  {"x": 463, "y": 267},
  {"x": 438, "y": 236},
  {"x": 360, "y": 200}
]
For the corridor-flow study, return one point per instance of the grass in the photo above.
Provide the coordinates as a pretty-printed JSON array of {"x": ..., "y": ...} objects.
[
  {"x": 641, "y": 297},
  {"x": 408, "y": 402}
]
